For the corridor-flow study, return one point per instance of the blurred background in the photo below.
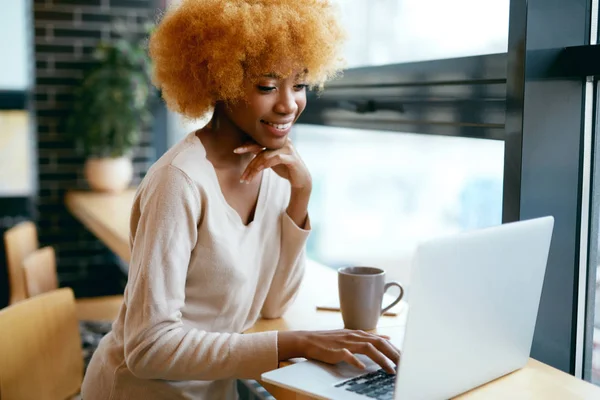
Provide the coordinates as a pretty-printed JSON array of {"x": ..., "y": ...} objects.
[{"x": 410, "y": 144}]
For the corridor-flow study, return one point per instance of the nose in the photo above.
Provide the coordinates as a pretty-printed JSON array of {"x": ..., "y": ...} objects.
[{"x": 286, "y": 102}]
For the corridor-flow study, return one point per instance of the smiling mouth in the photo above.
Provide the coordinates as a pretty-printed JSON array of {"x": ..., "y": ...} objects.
[{"x": 281, "y": 127}]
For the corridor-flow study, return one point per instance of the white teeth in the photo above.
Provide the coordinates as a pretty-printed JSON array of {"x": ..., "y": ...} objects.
[{"x": 279, "y": 126}]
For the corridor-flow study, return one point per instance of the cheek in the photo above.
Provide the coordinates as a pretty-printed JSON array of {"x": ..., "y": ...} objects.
[
  {"x": 260, "y": 106},
  {"x": 301, "y": 103},
  {"x": 238, "y": 115},
  {"x": 245, "y": 114}
]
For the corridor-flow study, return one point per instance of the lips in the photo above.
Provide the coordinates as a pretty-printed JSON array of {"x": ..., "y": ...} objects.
[
  {"x": 277, "y": 130},
  {"x": 280, "y": 126}
]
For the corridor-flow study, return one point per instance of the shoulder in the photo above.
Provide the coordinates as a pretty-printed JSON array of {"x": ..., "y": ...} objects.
[
  {"x": 179, "y": 173},
  {"x": 185, "y": 162},
  {"x": 168, "y": 186}
]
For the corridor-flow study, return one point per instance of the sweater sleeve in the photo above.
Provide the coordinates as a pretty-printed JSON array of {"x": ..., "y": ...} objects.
[
  {"x": 157, "y": 343},
  {"x": 290, "y": 268}
]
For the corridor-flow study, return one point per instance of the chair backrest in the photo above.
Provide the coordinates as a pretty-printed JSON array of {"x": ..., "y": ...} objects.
[
  {"x": 19, "y": 241},
  {"x": 40, "y": 349},
  {"x": 40, "y": 271}
]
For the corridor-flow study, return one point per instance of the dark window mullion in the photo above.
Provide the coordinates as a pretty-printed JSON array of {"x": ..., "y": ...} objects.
[{"x": 13, "y": 100}]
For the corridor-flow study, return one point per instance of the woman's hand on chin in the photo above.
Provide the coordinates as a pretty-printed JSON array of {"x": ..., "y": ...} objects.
[{"x": 285, "y": 161}]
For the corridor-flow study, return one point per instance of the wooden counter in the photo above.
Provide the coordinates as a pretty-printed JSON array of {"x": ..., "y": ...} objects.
[{"x": 107, "y": 216}]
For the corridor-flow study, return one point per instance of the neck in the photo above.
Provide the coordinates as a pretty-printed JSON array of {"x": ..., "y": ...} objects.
[{"x": 220, "y": 137}]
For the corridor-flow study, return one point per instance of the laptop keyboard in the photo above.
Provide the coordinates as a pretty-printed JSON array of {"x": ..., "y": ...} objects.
[{"x": 377, "y": 385}]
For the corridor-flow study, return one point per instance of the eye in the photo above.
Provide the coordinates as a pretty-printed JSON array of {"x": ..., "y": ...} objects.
[
  {"x": 266, "y": 89},
  {"x": 301, "y": 87}
]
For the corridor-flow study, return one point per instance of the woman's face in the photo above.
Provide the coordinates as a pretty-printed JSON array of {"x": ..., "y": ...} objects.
[{"x": 272, "y": 105}]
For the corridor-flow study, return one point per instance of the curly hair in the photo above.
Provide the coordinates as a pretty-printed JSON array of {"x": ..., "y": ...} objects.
[{"x": 202, "y": 50}]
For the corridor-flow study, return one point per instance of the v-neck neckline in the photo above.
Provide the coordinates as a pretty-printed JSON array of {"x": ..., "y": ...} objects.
[{"x": 231, "y": 212}]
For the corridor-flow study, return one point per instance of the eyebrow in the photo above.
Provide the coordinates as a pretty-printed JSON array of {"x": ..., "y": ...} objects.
[{"x": 274, "y": 75}]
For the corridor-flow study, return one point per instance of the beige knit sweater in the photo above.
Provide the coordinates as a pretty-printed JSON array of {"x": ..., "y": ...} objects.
[{"x": 198, "y": 278}]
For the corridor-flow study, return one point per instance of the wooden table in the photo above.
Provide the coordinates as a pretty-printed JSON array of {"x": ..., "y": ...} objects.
[{"x": 107, "y": 216}]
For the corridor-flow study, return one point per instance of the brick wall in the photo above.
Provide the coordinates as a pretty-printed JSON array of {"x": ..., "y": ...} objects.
[{"x": 66, "y": 32}]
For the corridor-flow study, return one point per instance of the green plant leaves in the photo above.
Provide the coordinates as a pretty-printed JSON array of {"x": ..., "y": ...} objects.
[{"x": 111, "y": 105}]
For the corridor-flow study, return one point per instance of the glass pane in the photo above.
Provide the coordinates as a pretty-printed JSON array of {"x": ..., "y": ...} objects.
[
  {"x": 378, "y": 194},
  {"x": 395, "y": 31},
  {"x": 15, "y": 160},
  {"x": 13, "y": 46}
]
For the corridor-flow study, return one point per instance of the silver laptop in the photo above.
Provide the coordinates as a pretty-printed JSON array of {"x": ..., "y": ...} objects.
[{"x": 473, "y": 302}]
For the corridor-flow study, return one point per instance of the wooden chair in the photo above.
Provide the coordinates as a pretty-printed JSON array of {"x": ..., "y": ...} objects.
[
  {"x": 19, "y": 241},
  {"x": 40, "y": 277},
  {"x": 40, "y": 348}
]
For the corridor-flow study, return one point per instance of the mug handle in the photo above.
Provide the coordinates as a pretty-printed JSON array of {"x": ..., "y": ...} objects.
[{"x": 386, "y": 287}]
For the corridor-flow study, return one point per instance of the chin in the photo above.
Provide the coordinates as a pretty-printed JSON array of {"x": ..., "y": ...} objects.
[
  {"x": 277, "y": 144},
  {"x": 272, "y": 143}
]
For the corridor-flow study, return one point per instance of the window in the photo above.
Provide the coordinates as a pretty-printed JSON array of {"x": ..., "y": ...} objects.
[
  {"x": 15, "y": 156},
  {"x": 16, "y": 162},
  {"x": 397, "y": 31},
  {"x": 14, "y": 74},
  {"x": 377, "y": 194}
]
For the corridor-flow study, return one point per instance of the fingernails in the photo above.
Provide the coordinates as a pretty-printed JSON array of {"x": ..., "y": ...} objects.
[{"x": 237, "y": 150}]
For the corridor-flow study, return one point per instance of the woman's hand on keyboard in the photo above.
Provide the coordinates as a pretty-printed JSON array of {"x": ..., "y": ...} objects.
[{"x": 339, "y": 345}]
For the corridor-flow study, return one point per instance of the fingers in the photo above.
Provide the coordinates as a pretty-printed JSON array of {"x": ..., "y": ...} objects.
[
  {"x": 383, "y": 345},
  {"x": 332, "y": 355},
  {"x": 342, "y": 345},
  {"x": 249, "y": 148},
  {"x": 378, "y": 349},
  {"x": 251, "y": 167},
  {"x": 347, "y": 356},
  {"x": 389, "y": 350},
  {"x": 264, "y": 161},
  {"x": 369, "y": 350}
]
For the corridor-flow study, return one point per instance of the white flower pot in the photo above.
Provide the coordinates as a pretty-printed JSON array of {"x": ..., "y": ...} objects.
[{"x": 108, "y": 174}]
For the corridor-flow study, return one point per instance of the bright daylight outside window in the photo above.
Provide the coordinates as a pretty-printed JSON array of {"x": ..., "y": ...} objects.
[
  {"x": 378, "y": 194},
  {"x": 396, "y": 31},
  {"x": 15, "y": 154}
]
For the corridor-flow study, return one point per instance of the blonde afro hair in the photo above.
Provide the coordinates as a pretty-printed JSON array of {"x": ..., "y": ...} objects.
[{"x": 203, "y": 50}]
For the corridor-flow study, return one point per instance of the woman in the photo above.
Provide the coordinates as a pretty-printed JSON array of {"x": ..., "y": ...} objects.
[{"x": 219, "y": 223}]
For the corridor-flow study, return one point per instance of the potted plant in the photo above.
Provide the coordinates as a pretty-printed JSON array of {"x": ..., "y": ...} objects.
[{"x": 109, "y": 111}]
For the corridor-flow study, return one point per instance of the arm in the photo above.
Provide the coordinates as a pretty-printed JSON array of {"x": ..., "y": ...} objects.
[
  {"x": 298, "y": 206},
  {"x": 158, "y": 345},
  {"x": 295, "y": 228}
]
